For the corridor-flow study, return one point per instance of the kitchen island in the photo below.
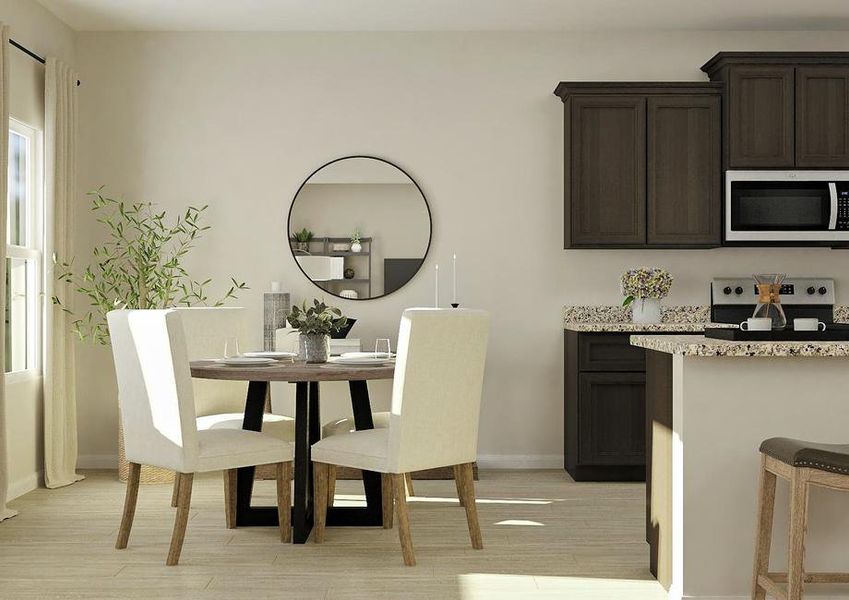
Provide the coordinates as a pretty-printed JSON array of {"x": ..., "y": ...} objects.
[{"x": 709, "y": 404}]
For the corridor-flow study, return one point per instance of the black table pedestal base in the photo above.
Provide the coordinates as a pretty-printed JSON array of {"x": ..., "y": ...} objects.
[{"x": 307, "y": 432}]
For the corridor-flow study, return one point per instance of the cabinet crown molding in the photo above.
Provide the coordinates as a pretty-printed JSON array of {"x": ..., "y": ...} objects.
[
  {"x": 723, "y": 59},
  {"x": 644, "y": 88}
]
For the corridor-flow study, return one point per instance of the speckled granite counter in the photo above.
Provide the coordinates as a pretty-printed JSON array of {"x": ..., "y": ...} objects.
[
  {"x": 698, "y": 345},
  {"x": 617, "y": 319}
]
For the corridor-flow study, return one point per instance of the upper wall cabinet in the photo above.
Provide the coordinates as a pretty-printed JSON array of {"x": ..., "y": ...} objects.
[
  {"x": 642, "y": 165},
  {"x": 784, "y": 109}
]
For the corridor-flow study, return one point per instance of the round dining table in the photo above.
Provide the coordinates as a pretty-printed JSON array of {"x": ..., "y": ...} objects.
[{"x": 306, "y": 378}]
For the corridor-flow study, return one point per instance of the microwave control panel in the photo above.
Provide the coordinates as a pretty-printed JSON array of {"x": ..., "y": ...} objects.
[{"x": 842, "y": 223}]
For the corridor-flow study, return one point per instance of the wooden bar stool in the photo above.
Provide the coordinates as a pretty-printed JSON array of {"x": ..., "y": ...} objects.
[{"x": 803, "y": 464}]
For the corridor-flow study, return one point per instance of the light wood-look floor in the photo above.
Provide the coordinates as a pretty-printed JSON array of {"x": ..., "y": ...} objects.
[{"x": 544, "y": 537}]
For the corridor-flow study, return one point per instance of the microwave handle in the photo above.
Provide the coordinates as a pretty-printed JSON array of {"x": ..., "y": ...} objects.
[{"x": 832, "y": 192}]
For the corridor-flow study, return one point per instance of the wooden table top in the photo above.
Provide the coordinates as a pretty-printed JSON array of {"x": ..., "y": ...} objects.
[{"x": 291, "y": 372}]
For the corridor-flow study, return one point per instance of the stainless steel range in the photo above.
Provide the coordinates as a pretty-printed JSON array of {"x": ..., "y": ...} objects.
[{"x": 733, "y": 300}]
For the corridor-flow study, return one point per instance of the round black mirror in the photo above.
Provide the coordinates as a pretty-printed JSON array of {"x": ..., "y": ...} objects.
[{"x": 359, "y": 227}]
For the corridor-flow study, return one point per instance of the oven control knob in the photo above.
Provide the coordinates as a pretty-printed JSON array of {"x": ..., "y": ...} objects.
[
  {"x": 811, "y": 290},
  {"x": 822, "y": 291},
  {"x": 726, "y": 290},
  {"x": 738, "y": 290}
]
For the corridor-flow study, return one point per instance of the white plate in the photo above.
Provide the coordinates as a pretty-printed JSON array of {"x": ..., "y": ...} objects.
[
  {"x": 271, "y": 354},
  {"x": 360, "y": 360},
  {"x": 381, "y": 355},
  {"x": 245, "y": 361}
]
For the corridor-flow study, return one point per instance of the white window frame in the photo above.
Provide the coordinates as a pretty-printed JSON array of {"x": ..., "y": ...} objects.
[{"x": 34, "y": 251}]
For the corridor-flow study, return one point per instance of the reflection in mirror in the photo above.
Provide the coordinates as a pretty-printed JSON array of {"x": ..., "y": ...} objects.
[{"x": 359, "y": 227}]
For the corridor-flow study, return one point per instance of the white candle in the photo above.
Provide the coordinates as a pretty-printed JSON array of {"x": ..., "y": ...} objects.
[
  {"x": 436, "y": 288},
  {"x": 454, "y": 295},
  {"x": 275, "y": 286}
]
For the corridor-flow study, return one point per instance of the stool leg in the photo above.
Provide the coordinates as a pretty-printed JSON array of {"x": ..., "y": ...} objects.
[
  {"x": 798, "y": 523},
  {"x": 763, "y": 540}
]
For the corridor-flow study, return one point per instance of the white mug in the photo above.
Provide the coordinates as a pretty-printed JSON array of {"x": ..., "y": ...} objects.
[
  {"x": 756, "y": 324},
  {"x": 808, "y": 325}
]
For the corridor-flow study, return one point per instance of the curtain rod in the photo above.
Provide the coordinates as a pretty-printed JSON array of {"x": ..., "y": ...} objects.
[{"x": 31, "y": 54}]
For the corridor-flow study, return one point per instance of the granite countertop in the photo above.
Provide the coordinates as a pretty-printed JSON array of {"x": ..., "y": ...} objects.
[
  {"x": 698, "y": 345},
  {"x": 617, "y": 319}
]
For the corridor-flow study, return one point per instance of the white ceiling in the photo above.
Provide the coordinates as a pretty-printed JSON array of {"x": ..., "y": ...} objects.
[{"x": 450, "y": 15}]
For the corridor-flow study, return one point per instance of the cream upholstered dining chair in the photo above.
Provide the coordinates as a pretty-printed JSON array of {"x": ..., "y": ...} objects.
[
  {"x": 436, "y": 397},
  {"x": 160, "y": 427},
  {"x": 221, "y": 404}
]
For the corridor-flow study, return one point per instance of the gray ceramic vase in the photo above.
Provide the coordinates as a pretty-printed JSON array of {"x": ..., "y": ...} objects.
[{"x": 314, "y": 347}]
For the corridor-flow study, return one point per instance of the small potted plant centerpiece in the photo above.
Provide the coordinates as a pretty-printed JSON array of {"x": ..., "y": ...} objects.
[
  {"x": 644, "y": 288},
  {"x": 302, "y": 240},
  {"x": 356, "y": 237},
  {"x": 315, "y": 324}
]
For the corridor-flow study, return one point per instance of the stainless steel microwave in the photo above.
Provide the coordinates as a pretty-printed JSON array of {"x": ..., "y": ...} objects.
[{"x": 787, "y": 206}]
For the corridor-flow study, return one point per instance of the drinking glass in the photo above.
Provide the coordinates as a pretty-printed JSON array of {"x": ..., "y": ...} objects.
[
  {"x": 231, "y": 347},
  {"x": 382, "y": 348}
]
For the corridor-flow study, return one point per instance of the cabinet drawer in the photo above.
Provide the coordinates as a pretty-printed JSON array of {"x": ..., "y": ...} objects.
[{"x": 609, "y": 352}]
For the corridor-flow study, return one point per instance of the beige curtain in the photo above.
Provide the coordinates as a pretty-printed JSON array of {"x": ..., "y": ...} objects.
[
  {"x": 60, "y": 407},
  {"x": 5, "y": 512}
]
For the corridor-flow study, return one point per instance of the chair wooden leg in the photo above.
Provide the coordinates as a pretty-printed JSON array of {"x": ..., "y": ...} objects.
[
  {"x": 331, "y": 484},
  {"x": 408, "y": 480},
  {"x": 403, "y": 520},
  {"x": 457, "y": 482},
  {"x": 319, "y": 499},
  {"x": 284, "y": 499},
  {"x": 230, "y": 497},
  {"x": 129, "y": 506},
  {"x": 184, "y": 500},
  {"x": 467, "y": 493},
  {"x": 175, "y": 491},
  {"x": 763, "y": 541},
  {"x": 388, "y": 497},
  {"x": 798, "y": 522}
]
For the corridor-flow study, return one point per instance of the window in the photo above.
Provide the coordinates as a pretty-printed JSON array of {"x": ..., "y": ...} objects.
[{"x": 24, "y": 234}]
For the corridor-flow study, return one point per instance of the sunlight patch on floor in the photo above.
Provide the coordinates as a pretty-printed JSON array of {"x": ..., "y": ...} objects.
[
  {"x": 491, "y": 586},
  {"x": 523, "y": 522}
]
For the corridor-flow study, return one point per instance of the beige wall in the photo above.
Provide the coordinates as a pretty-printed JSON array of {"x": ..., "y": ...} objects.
[
  {"x": 238, "y": 121},
  {"x": 37, "y": 29}
]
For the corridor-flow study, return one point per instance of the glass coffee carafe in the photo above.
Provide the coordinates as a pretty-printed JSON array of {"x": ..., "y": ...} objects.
[{"x": 769, "y": 299}]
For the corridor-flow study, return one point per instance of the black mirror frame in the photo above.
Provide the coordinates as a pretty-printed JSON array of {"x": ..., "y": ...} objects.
[{"x": 327, "y": 164}]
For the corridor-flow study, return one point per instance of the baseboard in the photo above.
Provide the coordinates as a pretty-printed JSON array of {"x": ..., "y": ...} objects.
[
  {"x": 97, "y": 461},
  {"x": 520, "y": 461},
  {"x": 23, "y": 485}
]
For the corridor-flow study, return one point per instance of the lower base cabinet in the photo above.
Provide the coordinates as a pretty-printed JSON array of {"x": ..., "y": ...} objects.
[{"x": 605, "y": 407}]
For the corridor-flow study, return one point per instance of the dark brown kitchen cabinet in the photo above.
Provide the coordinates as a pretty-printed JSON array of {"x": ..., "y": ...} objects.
[
  {"x": 684, "y": 170},
  {"x": 611, "y": 419},
  {"x": 604, "y": 407},
  {"x": 784, "y": 110},
  {"x": 822, "y": 116},
  {"x": 608, "y": 179},
  {"x": 760, "y": 117},
  {"x": 642, "y": 165}
]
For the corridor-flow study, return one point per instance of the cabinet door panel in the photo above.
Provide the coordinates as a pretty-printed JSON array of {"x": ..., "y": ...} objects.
[
  {"x": 760, "y": 121},
  {"x": 684, "y": 170},
  {"x": 608, "y": 171},
  {"x": 822, "y": 117},
  {"x": 611, "y": 419}
]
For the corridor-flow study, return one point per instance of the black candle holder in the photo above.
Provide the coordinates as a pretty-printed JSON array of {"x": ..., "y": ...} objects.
[{"x": 455, "y": 305}]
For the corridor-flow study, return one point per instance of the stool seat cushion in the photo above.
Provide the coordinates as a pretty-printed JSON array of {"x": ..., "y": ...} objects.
[{"x": 798, "y": 453}]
